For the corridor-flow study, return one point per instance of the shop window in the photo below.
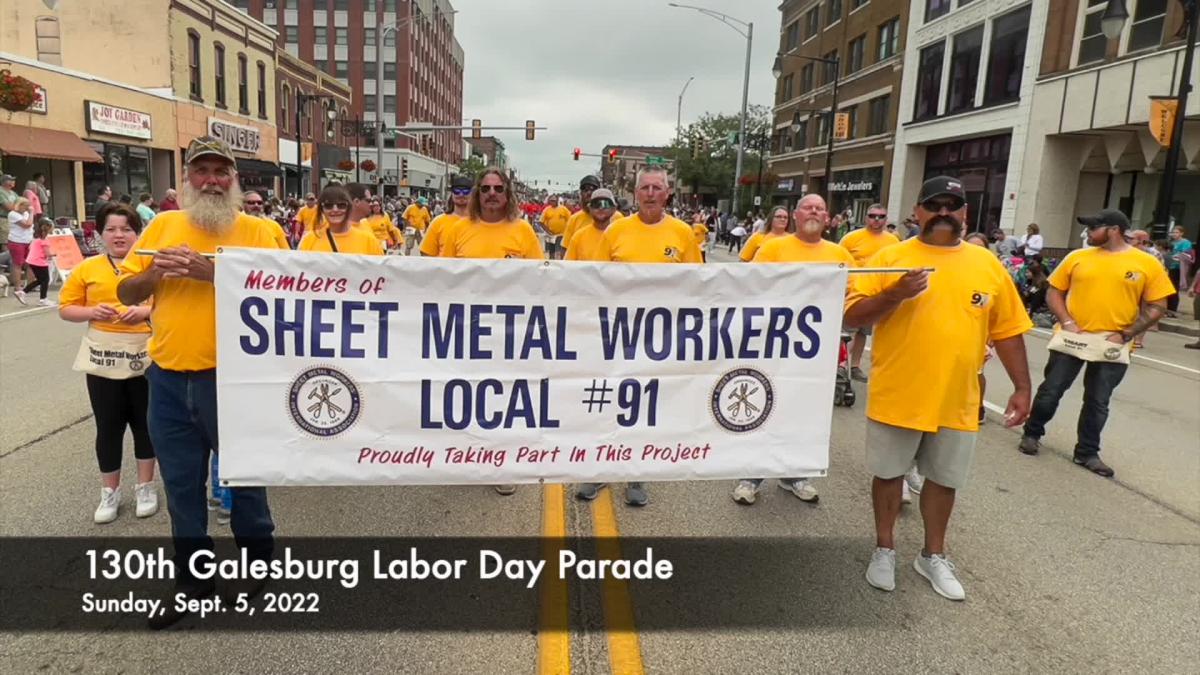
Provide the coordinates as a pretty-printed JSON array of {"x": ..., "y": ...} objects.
[
  {"x": 791, "y": 38},
  {"x": 889, "y": 39},
  {"x": 1147, "y": 29},
  {"x": 219, "y": 70},
  {"x": 1006, "y": 62},
  {"x": 262, "y": 89},
  {"x": 194, "y": 85},
  {"x": 964, "y": 70},
  {"x": 833, "y": 12},
  {"x": 929, "y": 81},
  {"x": 243, "y": 85},
  {"x": 807, "y": 78},
  {"x": 855, "y": 54},
  {"x": 936, "y": 8},
  {"x": 49, "y": 40},
  {"x": 879, "y": 109},
  {"x": 812, "y": 23}
]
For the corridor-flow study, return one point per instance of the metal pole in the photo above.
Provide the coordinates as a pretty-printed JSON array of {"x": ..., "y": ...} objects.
[
  {"x": 381, "y": 40},
  {"x": 1166, "y": 191},
  {"x": 737, "y": 171},
  {"x": 836, "y": 65},
  {"x": 761, "y": 152},
  {"x": 679, "y": 112},
  {"x": 357, "y": 138},
  {"x": 299, "y": 175}
]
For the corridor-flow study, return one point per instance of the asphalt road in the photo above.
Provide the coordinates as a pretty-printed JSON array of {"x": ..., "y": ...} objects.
[{"x": 1064, "y": 571}]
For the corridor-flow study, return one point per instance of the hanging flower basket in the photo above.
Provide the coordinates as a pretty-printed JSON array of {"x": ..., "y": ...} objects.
[
  {"x": 367, "y": 165},
  {"x": 346, "y": 165},
  {"x": 16, "y": 92}
]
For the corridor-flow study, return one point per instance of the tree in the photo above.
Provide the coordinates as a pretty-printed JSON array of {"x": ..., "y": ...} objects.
[
  {"x": 714, "y": 167},
  {"x": 471, "y": 166}
]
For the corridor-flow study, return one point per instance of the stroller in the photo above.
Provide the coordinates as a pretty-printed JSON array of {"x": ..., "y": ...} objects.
[{"x": 843, "y": 388}]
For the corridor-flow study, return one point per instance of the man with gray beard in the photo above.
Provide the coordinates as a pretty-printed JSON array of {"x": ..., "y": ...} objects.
[{"x": 183, "y": 381}]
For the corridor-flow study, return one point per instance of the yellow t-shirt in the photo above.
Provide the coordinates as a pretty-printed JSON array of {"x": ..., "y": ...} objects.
[
  {"x": 927, "y": 353},
  {"x": 585, "y": 244},
  {"x": 307, "y": 216},
  {"x": 701, "y": 231},
  {"x": 863, "y": 243},
  {"x": 381, "y": 226},
  {"x": 475, "y": 239},
  {"x": 435, "y": 237},
  {"x": 94, "y": 282},
  {"x": 1104, "y": 289},
  {"x": 358, "y": 240},
  {"x": 755, "y": 241},
  {"x": 416, "y": 216},
  {"x": 631, "y": 240},
  {"x": 582, "y": 218},
  {"x": 281, "y": 239},
  {"x": 184, "y": 318},
  {"x": 792, "y": 249},
  {"x": 554, "y": 218}
]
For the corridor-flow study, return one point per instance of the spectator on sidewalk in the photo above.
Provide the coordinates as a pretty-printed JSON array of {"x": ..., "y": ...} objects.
[
  {"x": 1032, "y": 242},
  {"x": 145, "y": 207},
  {"x": 20, "y": 236},
  {"x": 169, "y": 202},
  {"x": 38, "y": 261},
  {"x": 1179, "y": 259}
]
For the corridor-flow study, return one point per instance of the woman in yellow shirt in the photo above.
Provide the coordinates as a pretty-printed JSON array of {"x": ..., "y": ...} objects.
[
  {"x": 336, "y": 234},
  {"x": 779, "y": 225},
  {"x": 116, "y": 385},
  {"x": 380, "y": 224}
]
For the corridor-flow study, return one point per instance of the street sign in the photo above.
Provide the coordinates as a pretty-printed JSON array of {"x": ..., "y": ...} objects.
[
  {"x": 654, "y": 160},
  {"x": 757, "y": 200}
]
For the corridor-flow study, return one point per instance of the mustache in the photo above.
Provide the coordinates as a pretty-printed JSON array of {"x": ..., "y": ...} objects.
[{"x": 943, "y": 220}]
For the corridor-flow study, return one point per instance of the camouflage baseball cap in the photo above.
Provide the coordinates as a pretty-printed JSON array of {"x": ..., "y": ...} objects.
[{"x": 208, "y": 146}]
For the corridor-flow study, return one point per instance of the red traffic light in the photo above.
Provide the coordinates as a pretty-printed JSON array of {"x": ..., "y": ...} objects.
[
  {"x": 577, "y": 153},
  {"x": 612, "y": 155}
]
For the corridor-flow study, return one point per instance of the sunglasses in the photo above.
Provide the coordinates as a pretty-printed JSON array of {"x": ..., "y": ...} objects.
[
  {"x": 876, "y": 216},
  {"x": 498, "y": 189},
  {"x": 936, "y": 205},
  {"x": 602, "y": 204},
  {"x": 460, "y": 191},
  {"x": 332, "y": 206},
  {"x": 252, "y": 203}
]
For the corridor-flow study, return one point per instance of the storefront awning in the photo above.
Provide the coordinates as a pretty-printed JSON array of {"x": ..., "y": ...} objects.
[
  {"x": 257, "y": 166},
  {"x": 44, "y": 144}
]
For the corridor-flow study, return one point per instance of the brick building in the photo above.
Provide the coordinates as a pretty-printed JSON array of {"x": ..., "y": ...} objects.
[
  {"x": 322, "y": 143},
  {"x": 867, "y": 37}
]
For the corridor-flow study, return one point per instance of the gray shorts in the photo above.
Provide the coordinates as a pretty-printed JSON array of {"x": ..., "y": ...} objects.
[{"x": 943, "y": 457}]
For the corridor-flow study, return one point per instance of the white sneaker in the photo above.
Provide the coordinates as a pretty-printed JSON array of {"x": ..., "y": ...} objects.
[
  {"x": 20, "y": 296},
  {"x": 45, "y": 302},
  {"x": 107, "y": 511},
  {"x": 802, "y": 488},
  {"x": 881, "y": 572},
  {"x": 905, "y": 493},
  {"x": 940, "y": 573},
  {"x": 914, "y": 481},
  {"x": 746, "y": 492},
  {"x": 147, "y": 500}
]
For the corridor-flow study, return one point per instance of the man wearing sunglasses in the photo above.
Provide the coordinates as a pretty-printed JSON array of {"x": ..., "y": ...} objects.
[
  {"x": 1099, "y": 289},
  {"x": 585, "y": 244},
  {"x": 862, "y": 244},
  {"x": 583, "y": 218},
  {"x": 460, "y": 200},
  {"x": 417, "y": 218},
  {"x": 554, "y": 220},
  {"x": 252, "y": 205},
  {"x": 931, "y": 334}
]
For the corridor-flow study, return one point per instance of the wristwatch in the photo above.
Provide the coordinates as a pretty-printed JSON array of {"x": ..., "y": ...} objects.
[{"x": 1125, "y": 337}]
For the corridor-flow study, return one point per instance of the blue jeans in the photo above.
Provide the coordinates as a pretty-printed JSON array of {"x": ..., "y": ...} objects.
[
  {"x": 183, "y": 428},
  {"x": 1099, "y": 381}
]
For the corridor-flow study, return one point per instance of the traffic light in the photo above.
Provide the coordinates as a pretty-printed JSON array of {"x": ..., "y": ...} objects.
[
  {"x": 612, "y": 156},
  {"x": 577, "y": 153},
  {"x": 530, "y": 127},
  {"x": 476, "y": 128},
  {"x": 404, "y": 169}
]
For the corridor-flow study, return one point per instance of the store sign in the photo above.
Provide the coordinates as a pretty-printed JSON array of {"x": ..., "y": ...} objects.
[
  {"x": 785, "y": 185},
  {"x": 107, "y": 119},
  {"x": 240, "y": 138},
  {"x": 852, "y": 186}
]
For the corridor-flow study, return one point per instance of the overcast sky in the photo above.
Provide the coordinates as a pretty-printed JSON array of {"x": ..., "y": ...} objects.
[{"x": 600, "y": 72}]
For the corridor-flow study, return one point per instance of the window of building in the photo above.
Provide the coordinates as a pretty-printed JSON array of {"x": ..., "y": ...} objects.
[
  {"x": 320, "y": 35},
  {"x": 219, "y": 68},
  {"x": 855, "y": 4},
  {"x": 389, "y": 38},
  {"x": 1092, "y": 43},
  {"x": 341, "y": 69},
  {"x": 807, "y": 74},
  {"x": 936, "y": 8},
  {"x": 786, "y": 90},
  {"x": 389, "y": 72},
  {"x": 964, "y": 70},
  {"x": 369, "y": 103},
  {"x": 49, "y": 40},
  {"x": 889, "y": 39},
  {"x": 369, "y": 70},
  {"x": 389, "y": 6},
  {"x": 929, "y": 80},
  {"x": 243, "y": 85},
  {"x": 833, "y": 12},
  {"x": 389, "y": 104},
  {"x": 341, "y": 35},
  {"x": 800, "y": 139},
  {"x": 341, "y": 5},
  {"x": 830, "y": 67},
  {"x": 1148, "y": 19},
  {"x": 879, "y": 109},
  {"x": 791, "y": 37},
  {"x": 369, "y": 6},
  {"x": 291, "y": 34},
  {"x": 812, "y": 23},
  {"x": 369, "y": 36},
  {"x": 262, "y": 90},
  {"x": 283, "y": 107},
  {"x": 852, "y": 125},
  {"x": 1006, "y": 62},
  {"x": 855, "y": 54},
  {"x": 822, "y": 129},
  {"x": 194, "y": 86}
]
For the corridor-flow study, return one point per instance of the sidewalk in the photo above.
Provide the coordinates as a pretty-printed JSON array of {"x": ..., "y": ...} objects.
[{"x": 1185, "y": 322}]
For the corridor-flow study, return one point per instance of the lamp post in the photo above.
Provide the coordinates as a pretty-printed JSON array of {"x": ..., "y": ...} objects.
[
  {"x": 679, "y": 110},
  {"x": 746, "y": 30},
  {"x": 301, "y": 101},
  {"x": 835, "y": 65}
]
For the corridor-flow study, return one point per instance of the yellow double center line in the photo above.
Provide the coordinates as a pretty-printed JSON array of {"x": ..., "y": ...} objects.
[{"x": 554, "y": 639}]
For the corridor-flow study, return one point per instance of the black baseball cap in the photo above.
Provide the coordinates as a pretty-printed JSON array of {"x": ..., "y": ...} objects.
[
  {"x": 590, "y": 181},
  {"x": 1105, "y": 218},
  {"x": 461, "y": 181},
  {"x": 943, "y": 186}
]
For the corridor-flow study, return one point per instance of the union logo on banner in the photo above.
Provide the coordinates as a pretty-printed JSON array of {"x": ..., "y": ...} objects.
[{"x": 1162, "y": 118}]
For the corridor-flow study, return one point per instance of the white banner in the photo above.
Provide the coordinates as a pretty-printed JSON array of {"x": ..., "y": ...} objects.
[{"x": 339, "y": 369}]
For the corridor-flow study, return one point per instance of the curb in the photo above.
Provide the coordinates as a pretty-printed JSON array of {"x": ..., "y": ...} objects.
[{"x": 1177, "y": 326}]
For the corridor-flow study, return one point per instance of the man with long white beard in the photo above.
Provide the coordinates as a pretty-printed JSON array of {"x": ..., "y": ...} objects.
[{"x": 183, "y": 392}]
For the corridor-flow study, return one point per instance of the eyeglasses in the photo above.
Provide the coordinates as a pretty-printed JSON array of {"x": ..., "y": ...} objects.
[
  {"x": 335, "y": 206},
  {"x": 498, "y": 189},
  {"x": 876, "y": 216},
  {"x": 935, "y": 205},
  {"x": 460, "y": 191}
]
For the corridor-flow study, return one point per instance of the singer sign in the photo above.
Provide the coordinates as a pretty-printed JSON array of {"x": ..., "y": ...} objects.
[{"x": 240, "y": 138}]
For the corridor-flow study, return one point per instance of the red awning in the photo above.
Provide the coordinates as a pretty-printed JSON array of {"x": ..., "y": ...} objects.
[{"x": 44, "y": 144}]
